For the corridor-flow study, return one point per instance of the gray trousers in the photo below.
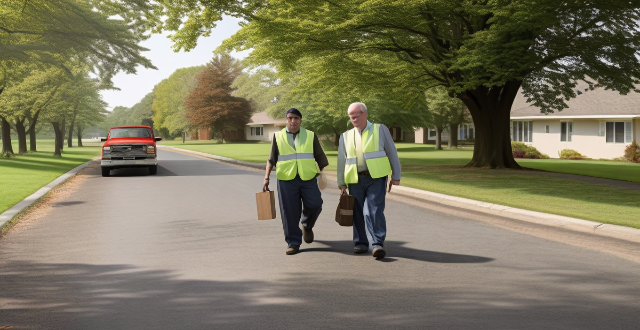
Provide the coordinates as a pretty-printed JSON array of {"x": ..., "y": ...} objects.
[{"x": 298, "y": 198}]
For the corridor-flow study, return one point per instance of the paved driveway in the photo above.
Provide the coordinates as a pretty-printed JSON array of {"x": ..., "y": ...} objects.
[{"x": 182, "y": 250}]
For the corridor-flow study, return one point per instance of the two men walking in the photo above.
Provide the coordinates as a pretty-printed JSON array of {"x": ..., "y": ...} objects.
[{"x": 366, "y": 156}]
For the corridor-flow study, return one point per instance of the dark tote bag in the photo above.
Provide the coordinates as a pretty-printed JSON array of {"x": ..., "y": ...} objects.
[{"x": 344, "y": 212}]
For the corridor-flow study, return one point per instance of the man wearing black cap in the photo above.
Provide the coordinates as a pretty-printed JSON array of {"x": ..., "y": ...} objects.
[{"x": 300, "y": 158}]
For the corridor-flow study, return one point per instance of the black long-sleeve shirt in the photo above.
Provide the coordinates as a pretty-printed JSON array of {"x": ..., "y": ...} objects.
[{"x": 318, "y": 152}]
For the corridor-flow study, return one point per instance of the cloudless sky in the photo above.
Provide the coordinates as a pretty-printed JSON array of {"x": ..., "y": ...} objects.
[{"x": 133, "y": 87}]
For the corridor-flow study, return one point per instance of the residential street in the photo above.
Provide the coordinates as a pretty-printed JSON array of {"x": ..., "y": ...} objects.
[{"x": 183, "y": 250}]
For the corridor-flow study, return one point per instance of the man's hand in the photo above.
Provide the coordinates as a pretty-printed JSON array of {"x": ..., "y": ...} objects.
[
  {"x": 393, "y": 183},
  {"x": 265, "y": 185},
  {"x": 343, "y": 189}
]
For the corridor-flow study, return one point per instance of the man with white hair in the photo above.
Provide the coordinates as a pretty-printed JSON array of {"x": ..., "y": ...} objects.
[{"x": 366, "y": 157}]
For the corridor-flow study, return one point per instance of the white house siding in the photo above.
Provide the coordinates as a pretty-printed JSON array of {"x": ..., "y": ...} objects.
[
  {"x": 584, "y": 139},
  {"x": 271, "y": 130},
  {"x": 420, "y": 135}
]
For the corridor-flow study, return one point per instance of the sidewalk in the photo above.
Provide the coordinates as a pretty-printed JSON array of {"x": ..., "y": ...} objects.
[{"x": 551, "y": 220}]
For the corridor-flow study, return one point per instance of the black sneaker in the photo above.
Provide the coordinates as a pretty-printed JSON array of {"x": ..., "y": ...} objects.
[
  {"x": 360, "y": 249},
  {"x": 307, "y": 234},
  {"x": 292, "y": 249}
]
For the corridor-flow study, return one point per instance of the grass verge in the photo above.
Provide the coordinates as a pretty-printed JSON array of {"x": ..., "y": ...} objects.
[{"x": 23, "y": 175}]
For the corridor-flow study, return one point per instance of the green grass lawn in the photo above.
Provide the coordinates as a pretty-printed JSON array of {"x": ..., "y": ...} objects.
[
  {"x": 441, "y": 171},
  {"x": 23, "y": 175}
]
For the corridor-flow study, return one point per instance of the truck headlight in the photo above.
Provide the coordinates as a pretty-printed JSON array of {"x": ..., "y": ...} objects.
[
  {"x": 106, "y": 149},
  {"x": 151, "y": 149}
]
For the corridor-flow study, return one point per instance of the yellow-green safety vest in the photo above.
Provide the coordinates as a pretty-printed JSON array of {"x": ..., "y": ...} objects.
[
  {"x": 296, "y": 161},
  {"x": 374, "y": 154}
]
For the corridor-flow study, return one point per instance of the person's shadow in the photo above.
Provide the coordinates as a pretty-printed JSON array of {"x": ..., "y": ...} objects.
[{"x": 397, "y": 249}]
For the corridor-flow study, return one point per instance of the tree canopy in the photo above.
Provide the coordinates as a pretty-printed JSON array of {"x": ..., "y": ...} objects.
[
  {"x": 482, "y": 52},
  {"x": 169, "y": 113},
  {"x": 211, "y": 103}
]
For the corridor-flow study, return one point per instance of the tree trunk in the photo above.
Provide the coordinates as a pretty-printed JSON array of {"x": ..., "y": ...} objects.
[
  {"x": 79, "y": 135},
  {"x": 490, "y": 109},
  {"x": 438, "y": 138},
  {"x": 22, "y": 136},
  {"x": 63, "y": 129},
  {"x": 32, "y": 131},
  {"x": 70, "y": 135},
  {"x": 7, "y": 148},
  {"x": 453, "y": 136},
  {"x": 59, "y": 141}
]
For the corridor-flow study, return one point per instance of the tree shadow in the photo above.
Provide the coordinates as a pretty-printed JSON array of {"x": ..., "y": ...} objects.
[
  {"x": 195, "y": 167},
  {"x": 112, "y": 296},
  {"x": 68, "y": 203}
]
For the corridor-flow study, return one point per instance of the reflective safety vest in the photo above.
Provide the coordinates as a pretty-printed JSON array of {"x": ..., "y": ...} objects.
[
  {"x": 373, "y": 151},
  {"x": 296, "y": 161}
]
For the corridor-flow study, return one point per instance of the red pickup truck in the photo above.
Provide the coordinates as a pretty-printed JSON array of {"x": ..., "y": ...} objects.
[{"x": 129, "y": 146}]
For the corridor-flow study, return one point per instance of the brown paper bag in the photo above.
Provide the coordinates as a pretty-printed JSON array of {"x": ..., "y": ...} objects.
[
  {"x": 266, "y": 205},
  {"x": 344, "y": 212}
]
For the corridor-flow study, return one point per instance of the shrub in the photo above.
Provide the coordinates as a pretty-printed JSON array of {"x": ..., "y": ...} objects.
[
  {"x": 570, "y": 154},
  {"x": 519, "y": 153},
  {"x": 521, "y": 150},
  {"x": 632, "y": 152}
]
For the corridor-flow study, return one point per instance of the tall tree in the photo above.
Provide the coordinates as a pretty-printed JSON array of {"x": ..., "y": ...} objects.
[
  {"x": 483, "y": 52},
  {"x": 169, "y": 113},
  {"x": 211, "y": 103},
  {"x": 105, "y": 34}
]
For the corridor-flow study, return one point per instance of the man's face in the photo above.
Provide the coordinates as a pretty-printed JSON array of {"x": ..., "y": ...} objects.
[
  {"x": 293, "y": 122},
  {"x": 358, "y": 118}
]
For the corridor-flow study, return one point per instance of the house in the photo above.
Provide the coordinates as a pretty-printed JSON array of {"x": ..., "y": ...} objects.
[
  {"x": 598, "y": 124},
  {"x": 399, "y": 135},
  {"x": 466, "y": 133},
  {"x": 262, "y": 127}
]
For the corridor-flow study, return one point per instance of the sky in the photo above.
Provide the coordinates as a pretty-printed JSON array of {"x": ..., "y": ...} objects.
[{"x": 133, "y": 87}]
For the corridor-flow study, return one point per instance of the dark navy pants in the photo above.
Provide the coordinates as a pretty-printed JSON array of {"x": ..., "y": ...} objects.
[
  {"x": 373, "y": 192},
  {"x": 298, "y": 198}
]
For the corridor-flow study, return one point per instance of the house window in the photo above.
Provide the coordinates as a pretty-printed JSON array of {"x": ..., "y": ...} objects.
[
  {"x": 566, "y": 131},
  {"x": 257, "y": 131},
  {"x": 432, "y": 134},
  {"x": 522, "y": 131},
  {"x": 546, "y": 129},
  {"x": 618, "y": 131},
  {"x": 466, "y": 132}
]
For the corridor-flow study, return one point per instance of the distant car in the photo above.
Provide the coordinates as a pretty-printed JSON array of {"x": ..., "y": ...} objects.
[{"x": 129, "y": 146}]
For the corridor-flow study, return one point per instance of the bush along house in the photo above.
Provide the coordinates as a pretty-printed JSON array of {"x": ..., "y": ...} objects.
[{"x": 598, "y": 123}]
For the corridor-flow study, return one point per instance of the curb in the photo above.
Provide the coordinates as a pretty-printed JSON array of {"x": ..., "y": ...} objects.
[
  {"x": 540, "y": 218},
  {"x": 10, "y": 214}
]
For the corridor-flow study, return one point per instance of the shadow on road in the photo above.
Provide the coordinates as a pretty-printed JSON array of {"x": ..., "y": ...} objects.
[
  {"x": 91, "y": 296},
  {"x": 397, "y": 249},
  {"x": 181, "y": 168}
]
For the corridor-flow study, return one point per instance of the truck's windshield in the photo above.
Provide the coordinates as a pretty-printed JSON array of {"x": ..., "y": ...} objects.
[{"x": 139, "y": 132}]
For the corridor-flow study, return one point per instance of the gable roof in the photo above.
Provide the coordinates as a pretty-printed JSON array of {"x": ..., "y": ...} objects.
[
  {"x": 598, "y": 103},
  {"x": 261, "y": 118}
]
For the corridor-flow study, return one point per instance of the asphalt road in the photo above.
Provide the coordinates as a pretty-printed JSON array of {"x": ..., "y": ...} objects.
[{"x": 183, "y": 250}]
